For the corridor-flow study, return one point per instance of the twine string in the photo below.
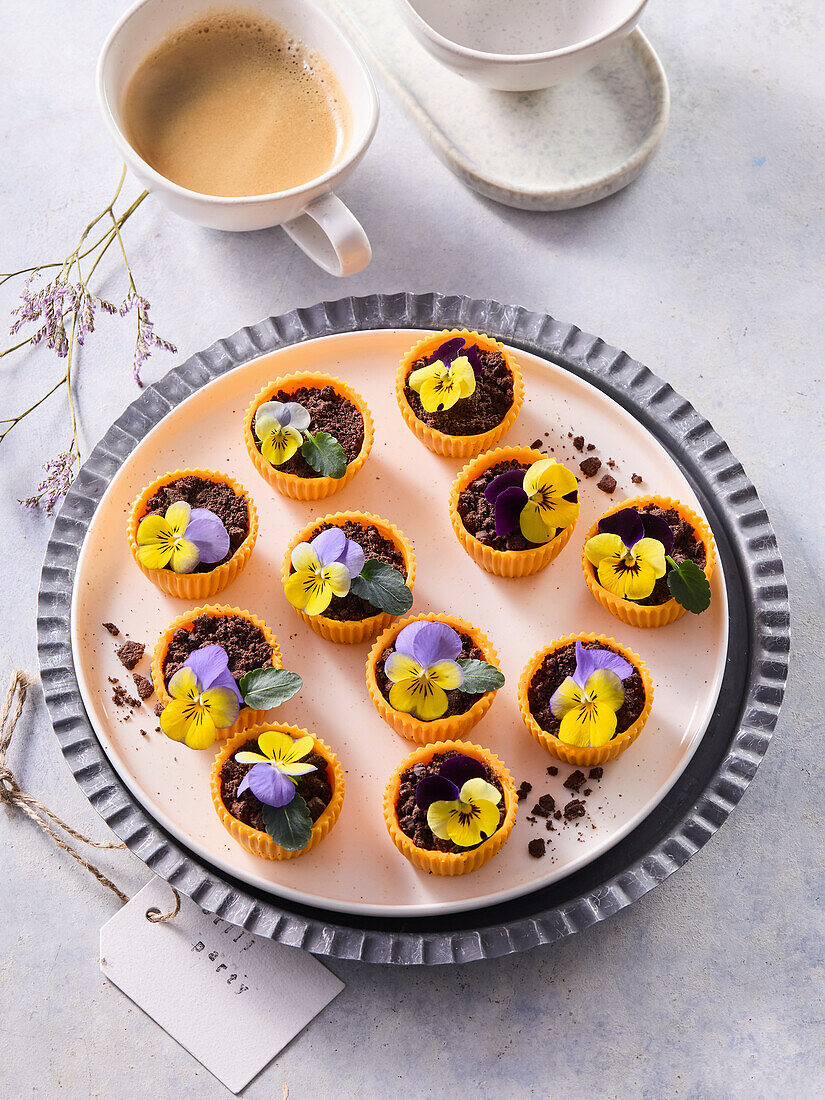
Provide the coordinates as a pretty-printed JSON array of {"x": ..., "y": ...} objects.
[{"x": 12, "y": 795}]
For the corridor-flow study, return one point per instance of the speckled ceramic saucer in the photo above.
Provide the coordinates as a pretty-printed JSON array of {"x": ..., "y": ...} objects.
[{"x": 549, "y": 150}]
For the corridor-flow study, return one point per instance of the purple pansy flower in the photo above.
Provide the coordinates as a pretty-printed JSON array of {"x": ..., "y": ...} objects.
[
  {"x": 269, "y": 785},
  {"x": 428, "y": 642},
  {"x": 589, "y": 660},
  {"x": 450, "y": 350},
  {"x": 334, "y": 546},
  {"x": 632, "y": 526},
  {"x": 208, "y": 533},
  {"x": 210, "y": 665},
  {"x": 507, "y": 494}
]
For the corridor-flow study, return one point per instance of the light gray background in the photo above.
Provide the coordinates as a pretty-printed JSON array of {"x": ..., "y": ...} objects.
[{"x": 710, "y": 270}]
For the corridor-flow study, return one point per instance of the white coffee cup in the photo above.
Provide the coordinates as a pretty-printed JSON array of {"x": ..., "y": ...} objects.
[{"x": 312, "y": 214}]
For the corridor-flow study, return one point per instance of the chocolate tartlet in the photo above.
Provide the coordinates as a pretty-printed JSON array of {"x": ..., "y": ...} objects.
[
  {"x": 352, "y": 608},
  {"x": 314, "y": 788},
  {"x": 330, "y": 411},
  {"x": 216, "y": 496},
  {"x": 331, "y": 408},
  {"x": 244, "y": 641},
  {"x": 475, "y": 415},
  {"x": 544, "y": 674},
  {"x": 478, "y": 514},
  {"x": 488, "y": 405},
  {"x": 247, "y": 640},
  {"x": 413, "y": 820},
  {"x": 561, "y": 663}
]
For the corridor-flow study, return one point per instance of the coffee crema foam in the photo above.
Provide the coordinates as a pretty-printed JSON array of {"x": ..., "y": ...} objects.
[{"x": 235, "y": 105}]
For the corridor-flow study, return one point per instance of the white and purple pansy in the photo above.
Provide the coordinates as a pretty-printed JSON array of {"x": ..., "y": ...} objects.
[
  {"x": 279, "y": 428},
  {"x": 181, "y": 539}
]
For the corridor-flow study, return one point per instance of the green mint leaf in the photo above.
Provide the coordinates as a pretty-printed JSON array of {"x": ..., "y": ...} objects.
[
  {"x": 263, "y": 688},
  {"x": 689, "y": 586},
  {"x": 289, "y": 826},
  {"x": 324, "y": 454},
  {"x": 479, "y": 676},
  {"x": 383, "y": 586}
]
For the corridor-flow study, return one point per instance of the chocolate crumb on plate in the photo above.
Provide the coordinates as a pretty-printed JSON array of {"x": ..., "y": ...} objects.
[
  {"x": 130, "y": 653},
  {"x": 552, "y": 770},
  {"x": 636, "y": 479},
  {"x": 591, "y": 447},
  {"x": 547, "y": 803},
  {"x": 537, "y": 847},
  {"x": 539, "y": 810},
  {"x": 595, "y": 773},
  {"x": 578, "y": 442},
  {"x": 590, "y": 466},
  {"x": 574, "y": 780},
  {"x": 536, "y": 444},
  {"x": 113, "y": 630},
  {"x": 587, "y": 791},
  {"x": 145, "y": 687},
  {"x": 524, "y": 790},
  {"x": 574, "y": 808},
  {"x": 607, "y": 484}
]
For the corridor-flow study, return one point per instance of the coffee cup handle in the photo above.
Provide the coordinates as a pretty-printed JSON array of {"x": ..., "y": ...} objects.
[{"x": 330, "y": 234}]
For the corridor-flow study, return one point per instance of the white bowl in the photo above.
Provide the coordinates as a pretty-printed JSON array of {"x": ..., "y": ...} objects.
[{"x": 520, "y": 45}]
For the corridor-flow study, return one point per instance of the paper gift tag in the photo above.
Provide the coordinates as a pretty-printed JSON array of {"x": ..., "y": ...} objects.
[{"x": 233, "y": 1000}]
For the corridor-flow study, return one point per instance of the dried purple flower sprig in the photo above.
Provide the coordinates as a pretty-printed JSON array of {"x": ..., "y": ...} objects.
[{"x": 64, "y": 311}]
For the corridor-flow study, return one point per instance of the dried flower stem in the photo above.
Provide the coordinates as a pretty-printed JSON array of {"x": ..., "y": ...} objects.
[{"x": 63, "y": 303}]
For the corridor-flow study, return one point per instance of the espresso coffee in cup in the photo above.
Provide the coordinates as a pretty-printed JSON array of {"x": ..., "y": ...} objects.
[{"x": 233, "y": 104}]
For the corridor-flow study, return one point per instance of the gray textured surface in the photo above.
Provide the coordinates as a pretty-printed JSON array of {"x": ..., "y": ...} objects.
[
  {"x": 732, "y": 748},
  {"x": 709, "y": 269}
]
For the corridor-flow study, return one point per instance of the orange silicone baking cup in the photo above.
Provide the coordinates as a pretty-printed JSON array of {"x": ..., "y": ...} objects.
[
  {"x": 457, "y": 446},
  {"x": 254, "y": 840},
  {"x": 586, "y": 756},
  {"x": 246, "y": 715},
  {"x": 450, "y": 863},
  {"x": 635, "y": 614},
  {"x": 442, "y": 729},
  {"x": 357, "y": 630},
  {"x": 504, "y": 563},
  {"x": 194, "y": 586},
  {"x": 292, "y": 485}
]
